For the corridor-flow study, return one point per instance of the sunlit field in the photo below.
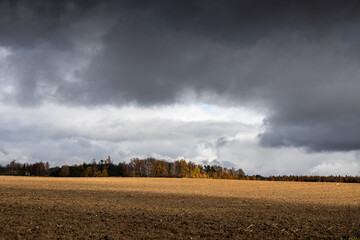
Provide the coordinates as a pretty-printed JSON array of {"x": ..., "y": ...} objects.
[{"x": 158, "y": 208}]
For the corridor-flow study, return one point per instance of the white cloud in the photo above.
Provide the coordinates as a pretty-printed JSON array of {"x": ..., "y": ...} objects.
[
  {"x": 4, "y": 52},
  {"x": 66, "y": 134},
  {"x": 195, "y": 132},
  {"x": 337, "y": 167},
  {"x": 255, "y": 159}
]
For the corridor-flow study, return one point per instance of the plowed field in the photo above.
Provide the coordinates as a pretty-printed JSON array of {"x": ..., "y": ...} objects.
[{"x": 162, "y": 208}]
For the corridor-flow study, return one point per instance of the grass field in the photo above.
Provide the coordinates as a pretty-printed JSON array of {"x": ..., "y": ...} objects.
[{"x": 163, "y": 208}]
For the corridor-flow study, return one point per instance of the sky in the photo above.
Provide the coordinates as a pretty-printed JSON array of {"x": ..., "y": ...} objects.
[{"x": 271, "y": 87}]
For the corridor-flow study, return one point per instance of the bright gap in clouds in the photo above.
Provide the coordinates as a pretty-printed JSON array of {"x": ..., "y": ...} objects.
[
  {"x": 196, "y": 132},
  {"x": 59, "y": 133}
]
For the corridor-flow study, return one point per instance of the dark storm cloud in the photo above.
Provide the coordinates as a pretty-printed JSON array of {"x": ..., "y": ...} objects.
[
  {"x": 296, "y": 59},
  {"x": 25, "y": 24}
]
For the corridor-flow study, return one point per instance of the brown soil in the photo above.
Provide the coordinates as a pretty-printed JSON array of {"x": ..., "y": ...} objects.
[{"x": 162, "y": 208}]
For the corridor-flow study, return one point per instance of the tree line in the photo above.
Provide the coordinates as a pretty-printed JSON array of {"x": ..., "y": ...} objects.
[
  {"x": 151, "y": 167},
  {"x": 148, "y": 167}
]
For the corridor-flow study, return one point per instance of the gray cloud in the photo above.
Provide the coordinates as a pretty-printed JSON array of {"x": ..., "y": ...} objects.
[
  {"x": 73, "y": 135},
  {"x": 255, "y": 159},
  {"x": 295, "y": 60}
]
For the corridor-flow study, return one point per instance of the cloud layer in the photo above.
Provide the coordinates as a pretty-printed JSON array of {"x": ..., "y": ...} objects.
[
  {"x": 295, "y": 62},
  {"x": 66, "y": 134},
  {"x": 200, "y": 133}
]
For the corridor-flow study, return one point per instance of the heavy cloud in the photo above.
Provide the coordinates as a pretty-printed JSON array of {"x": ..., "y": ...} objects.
[{"x": 295, "y": 61}]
